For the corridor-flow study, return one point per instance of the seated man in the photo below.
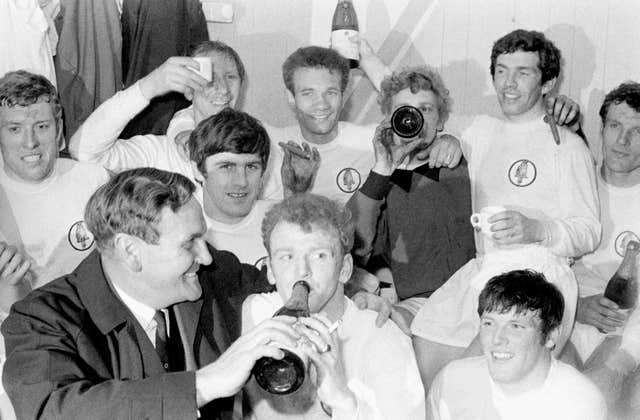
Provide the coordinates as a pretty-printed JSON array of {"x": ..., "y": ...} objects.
[
  {"x": 516, "y": 377},
  {"x": 130, "y": 333},
  {"x": 42, "y": 196},
  {"x": 414, "y": 216},
  {"x": 611, "y": 357},
  {"x": 546, "y": 189},
  {"x": 357, "y": 371},
  {"x": 231, "y": 150}
]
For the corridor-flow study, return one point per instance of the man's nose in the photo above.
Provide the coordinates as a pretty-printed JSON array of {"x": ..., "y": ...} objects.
[
  {"x": 303, "y": 268},
  {"x": 203, "y": 257},
  {"x": 240, "y": 177},
  {"x": 500, "y": 336},
  {"x": 30, "y": 139}
]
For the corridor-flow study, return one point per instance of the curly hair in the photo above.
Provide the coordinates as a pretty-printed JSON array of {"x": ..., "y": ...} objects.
[
  {"x": 529, "y": 41},
  {"x": 311, "y": 211},
  {"x": 207, "y": 47},
  {"x": 416, "y": 79},
  {"x": 22, "y": 88},
  {"x": 526, "y": 291},
  {"x": 228, "y": 131},
  {"x": 131, "y": 203},
  {"x": 628, "y": 92},
  {"x": 315, "y": 57}
]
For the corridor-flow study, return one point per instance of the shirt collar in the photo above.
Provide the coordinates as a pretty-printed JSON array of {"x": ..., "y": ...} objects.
[
  {"x": 402, "y": 177},
  {"x": 143, "y": 313}
]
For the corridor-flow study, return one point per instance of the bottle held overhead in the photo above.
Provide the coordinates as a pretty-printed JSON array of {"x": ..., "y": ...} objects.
[
  {"x": 343, "y": 27},
  {"x": 286, "y": 375}
]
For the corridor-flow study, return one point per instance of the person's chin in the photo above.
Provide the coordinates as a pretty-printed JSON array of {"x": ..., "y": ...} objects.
[{"x": 192, "y": 287}]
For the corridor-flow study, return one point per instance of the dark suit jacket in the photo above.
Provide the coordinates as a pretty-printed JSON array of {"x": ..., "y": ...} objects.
[{"x": 75, "y": 351}]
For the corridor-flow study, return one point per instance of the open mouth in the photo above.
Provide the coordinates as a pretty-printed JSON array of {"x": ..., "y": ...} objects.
[
  {"x": 501, "y": 356},
  {"x": 32, "y": 158},
  {"x": 237, "y": 195}
]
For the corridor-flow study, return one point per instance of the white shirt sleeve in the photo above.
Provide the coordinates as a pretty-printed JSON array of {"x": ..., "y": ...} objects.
[
  {"x": 97, "y": 140},
  {"x": 578, "y": 230}
]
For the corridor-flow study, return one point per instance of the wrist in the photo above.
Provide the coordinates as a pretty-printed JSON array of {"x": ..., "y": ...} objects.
[{"x": 382, "y": 169}]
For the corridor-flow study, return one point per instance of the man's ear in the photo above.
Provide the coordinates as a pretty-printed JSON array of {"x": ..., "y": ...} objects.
[
  {"x": 127, "y": 250},
  {"x": 347, "y": 268},
  {"x": 291, "y": 99},
  {"x": 548, "y": 85},
  {"x": 270, "y": 277},
  {"x": 552, "y": 338}
]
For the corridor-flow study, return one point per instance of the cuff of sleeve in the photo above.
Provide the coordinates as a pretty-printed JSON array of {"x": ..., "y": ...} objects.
[
  {"x": 549, "y": 236},
  {"x": 376, "y": 186}
]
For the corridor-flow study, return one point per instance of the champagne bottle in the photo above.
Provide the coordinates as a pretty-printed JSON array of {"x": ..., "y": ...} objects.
[
  {"x": 622, "y": 288},
  {"x": 286, "y": 375},
  {"x": 343, "y": 27}
]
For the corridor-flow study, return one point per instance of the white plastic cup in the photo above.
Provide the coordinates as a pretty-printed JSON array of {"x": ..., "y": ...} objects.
[{"x": 206, "y": 67}]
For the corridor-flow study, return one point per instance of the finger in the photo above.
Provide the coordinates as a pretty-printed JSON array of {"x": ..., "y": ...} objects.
[
  {"x": 12, "y": 265},
  {"x": 607, "y": 303},
  {"x": 383, "y": 315},
  {"x": 360, "y": 300},
  {"x": 20, "y": 273},
  {"x": 401, "y": 322},
  {"x": 268, "y": 350},
  {"x": 616, "y": 316},
  {"x": 455, "y": 158},
  {"x": 315, "y": 155},
  {"x": 6, "y": 256}
]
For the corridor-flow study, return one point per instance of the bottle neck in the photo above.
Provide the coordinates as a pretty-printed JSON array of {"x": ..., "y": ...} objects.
[{"x": 299, "y": 296}]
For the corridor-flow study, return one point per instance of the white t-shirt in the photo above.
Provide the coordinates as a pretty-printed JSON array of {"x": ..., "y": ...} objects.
[
  {"x": 464, "y": 390},
  {"x": 519, "y": 166},
  {"x": 345, "y": 162},
  {"x": 47, "y": 219},
  {"x": 244, "y": 238},
  {"x": 619, "y": 212},
  {"x": 380, "y": 368},
  {"x": 97, "y": 140}
]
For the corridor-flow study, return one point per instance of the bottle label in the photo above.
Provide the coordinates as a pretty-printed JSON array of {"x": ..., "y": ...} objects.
[{"x": 341, "y": 43}]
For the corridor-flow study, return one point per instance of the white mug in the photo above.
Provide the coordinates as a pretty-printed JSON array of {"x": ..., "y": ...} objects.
[
  {"x": 481, "y": 220},
  {"x": 206, "y": 67}
]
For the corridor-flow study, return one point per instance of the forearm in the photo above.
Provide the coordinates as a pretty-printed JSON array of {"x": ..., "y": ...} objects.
[
  {"x": 366, "y": 207},
  {"x": 99, "y": 133}
]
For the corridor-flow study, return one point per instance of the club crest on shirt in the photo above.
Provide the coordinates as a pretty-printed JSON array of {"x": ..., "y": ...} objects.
[
  {"x": 79, "y": 236},
  {"x": 522, "y": 173},
  {"x": 622, "y": 240},
  {"x": 348, "y": 180}
]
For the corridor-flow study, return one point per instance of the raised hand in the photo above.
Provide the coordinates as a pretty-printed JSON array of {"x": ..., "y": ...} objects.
[
  {"x": 299, "y": 167},
  {"x": 564, "y": 110},
  {"x": 174, "y": 75},
  {"x": 389, "y": 154}
]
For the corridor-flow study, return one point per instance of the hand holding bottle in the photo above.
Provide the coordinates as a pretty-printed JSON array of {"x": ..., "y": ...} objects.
[
  {"x": 600, "y": 312},
  {"x": 325, "y": 354}
]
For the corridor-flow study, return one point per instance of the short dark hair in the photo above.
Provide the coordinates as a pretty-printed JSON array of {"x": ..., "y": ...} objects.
[
  {"x": 206, "y": 47},
  {"x": 131, "y": 203},
  {"x": 628, "y": 92},
  {"x": 315, "y": 57},
  {"x": 228, "y": 131},
  {"x": 529, "y": 41},
  {"x": 416, "y": 79},
  {"x": 23, "y": 88},
  {"x": 526, "y": 291},
  {"x": 311, "y": 211}
]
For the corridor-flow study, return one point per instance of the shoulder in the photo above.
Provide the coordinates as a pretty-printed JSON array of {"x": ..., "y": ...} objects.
[
  {"x": 462, "y": 367},
  {"x": 362, "y": 323},
  {"x": 48, "y": 307},
  {"x": 570, "y": 141},
  {"x": 574, "y": 381},
  {"x": 483, "y": 123},
  {"x": 357, "y": 135},
  {"x": 86, "y": 170},
  {"x": 577, "y": 393}
]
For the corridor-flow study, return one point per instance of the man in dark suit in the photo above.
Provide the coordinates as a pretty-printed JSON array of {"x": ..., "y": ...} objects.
[{"x": 132, "y": 332}]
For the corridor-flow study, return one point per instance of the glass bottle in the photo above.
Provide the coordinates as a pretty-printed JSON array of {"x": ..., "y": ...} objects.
[
  {"x": 622, "y": 288},
  {"x": 343, "y": 26},
  {"x": 286, "y": 375}
]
